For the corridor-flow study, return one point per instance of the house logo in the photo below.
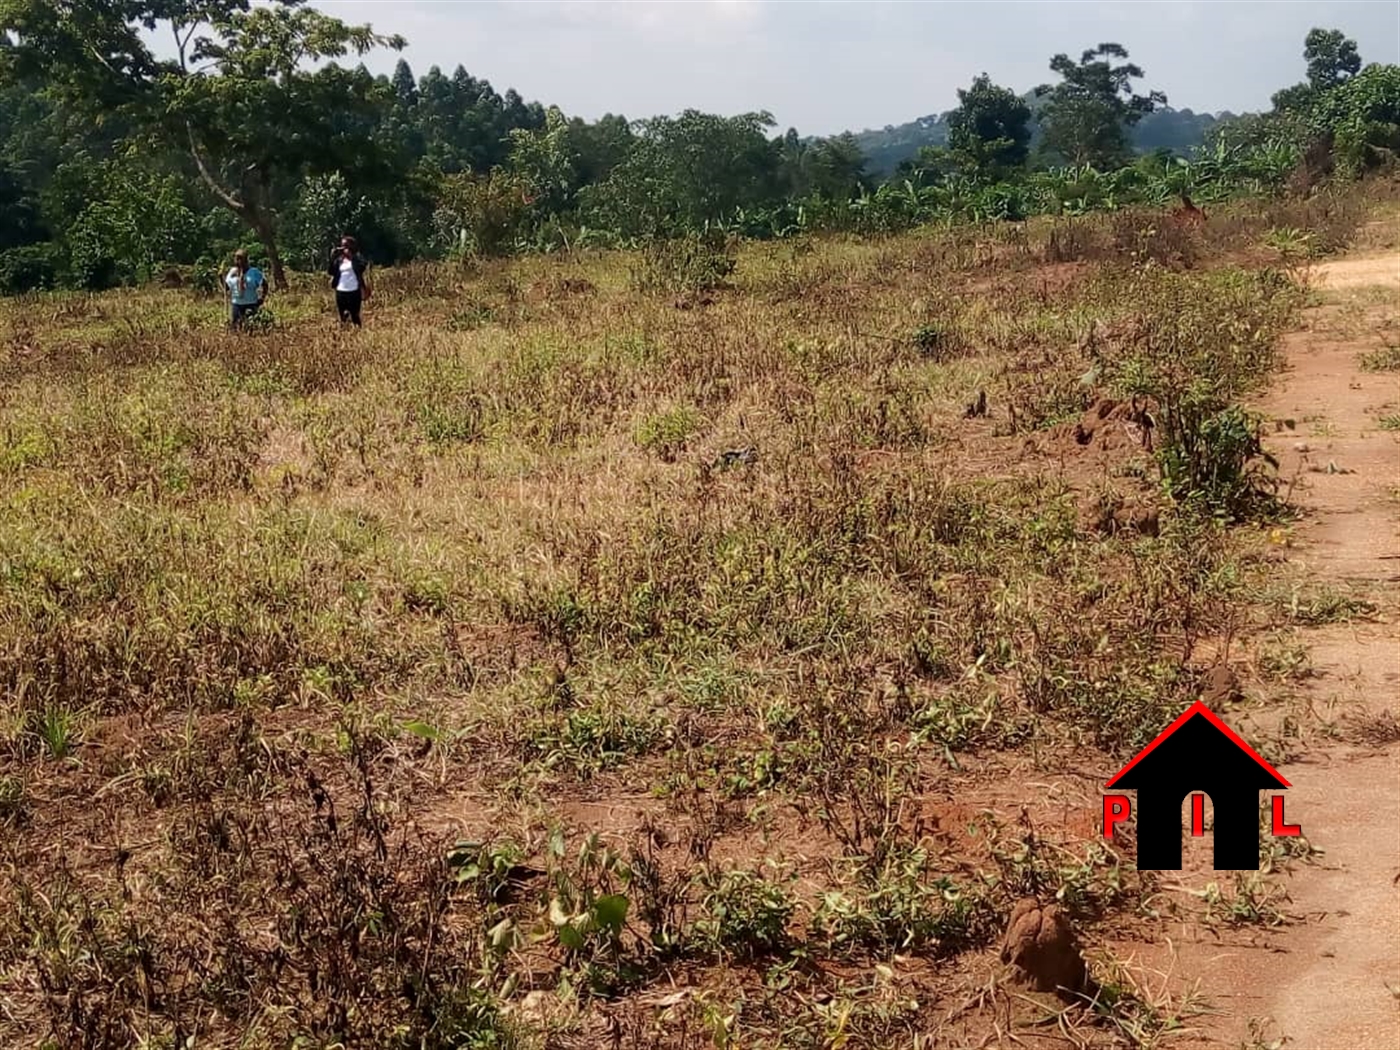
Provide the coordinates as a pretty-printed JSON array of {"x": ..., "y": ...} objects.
[{"x": 1197, "y": 755}]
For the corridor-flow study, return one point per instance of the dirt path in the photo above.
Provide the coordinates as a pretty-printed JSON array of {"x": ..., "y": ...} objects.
[{"x": 1333, "y": 980}]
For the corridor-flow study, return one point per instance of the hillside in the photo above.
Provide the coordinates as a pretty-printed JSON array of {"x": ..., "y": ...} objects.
[{"x": 885, "y": 148}]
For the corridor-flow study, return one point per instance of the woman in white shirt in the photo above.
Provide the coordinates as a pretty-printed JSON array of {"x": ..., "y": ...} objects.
[{"x": 349, "y": 279}]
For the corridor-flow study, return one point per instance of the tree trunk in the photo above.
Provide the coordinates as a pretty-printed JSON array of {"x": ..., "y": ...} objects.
[
  {"x": 246, "y": 208},
  {"x": 262, "y": 225}
]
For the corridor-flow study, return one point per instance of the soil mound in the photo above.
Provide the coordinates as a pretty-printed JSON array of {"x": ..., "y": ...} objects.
[{"x": 1042, "y": 949}]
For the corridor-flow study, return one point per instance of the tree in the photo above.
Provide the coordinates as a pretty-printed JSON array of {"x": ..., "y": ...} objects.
[
  {"x": 830, "y": 167},
  {"x": 687, "y": 170},
  {"x": 1361, "y": 118},
  {"x": 599, "y": 147},
  {"x": 1087, "y": 115},
  {"x": 405, "y": 87},
  {"x": 836, "y": 167},
  {"x": 236, "y": 97},
  {"x": 1332, "y": 58},
  {"x": 990, "y": 128}
]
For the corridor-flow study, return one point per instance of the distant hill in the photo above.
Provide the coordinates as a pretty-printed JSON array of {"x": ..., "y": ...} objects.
[{"x": 885, "y": 148}]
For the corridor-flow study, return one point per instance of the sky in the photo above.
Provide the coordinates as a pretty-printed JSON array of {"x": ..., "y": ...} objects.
[{"x": 825, "y": 66}]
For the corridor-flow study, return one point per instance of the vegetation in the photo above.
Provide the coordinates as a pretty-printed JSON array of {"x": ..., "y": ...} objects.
[
  {"x": 622, "y": 647},
  {"x": 121, "y": 162},
  {"x": 326, "y": 659}
]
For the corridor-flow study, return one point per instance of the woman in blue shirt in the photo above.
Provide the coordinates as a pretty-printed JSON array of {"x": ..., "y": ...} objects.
[{"x": 247, "y": 288}]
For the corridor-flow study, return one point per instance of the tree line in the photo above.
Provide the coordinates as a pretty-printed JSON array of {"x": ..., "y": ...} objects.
[{"x": 140, "y": 134}]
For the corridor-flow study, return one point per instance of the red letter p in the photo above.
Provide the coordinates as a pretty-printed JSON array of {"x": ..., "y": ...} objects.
[{"x": 1115, "y": 808}]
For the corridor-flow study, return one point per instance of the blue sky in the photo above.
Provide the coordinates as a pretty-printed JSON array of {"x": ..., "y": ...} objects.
[{"x": 831, "y": 66}]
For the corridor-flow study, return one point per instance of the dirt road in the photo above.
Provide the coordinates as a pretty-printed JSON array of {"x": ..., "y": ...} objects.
[{"x": 1332, "y": 980}]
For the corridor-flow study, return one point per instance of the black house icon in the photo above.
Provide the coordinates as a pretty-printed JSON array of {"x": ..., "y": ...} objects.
[{"x": 1198, "y": 752}]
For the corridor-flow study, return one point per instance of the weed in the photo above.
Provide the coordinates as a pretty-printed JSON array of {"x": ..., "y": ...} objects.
[
  {"x": 13, "y": 804},
  {"x": 666, "y": 433},
  {"x": 1140, "y": 1016},
  {"x": 744, "y": 914},
  {"x": 1387, "y": 359},
  {"x": 1319, "y": 606},
  {"x": 1254, "y": 901},
  {"x": 691, "y": 263}
]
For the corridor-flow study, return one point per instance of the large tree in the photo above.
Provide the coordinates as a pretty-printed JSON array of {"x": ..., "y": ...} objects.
[
  {"x": 232, "y": 90},
  {"x": 990, "y": 129},
  {"x": 1332, "y": 58},
  {"x": 1086, "y": 116},
  {"x": 685, "y": 170}
]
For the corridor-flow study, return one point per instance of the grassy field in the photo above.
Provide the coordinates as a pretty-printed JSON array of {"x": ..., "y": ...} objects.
[{"x": 613, "y": 650}]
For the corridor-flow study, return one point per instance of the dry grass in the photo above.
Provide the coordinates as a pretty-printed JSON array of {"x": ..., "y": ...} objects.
[{"x": 692, "y": 599}]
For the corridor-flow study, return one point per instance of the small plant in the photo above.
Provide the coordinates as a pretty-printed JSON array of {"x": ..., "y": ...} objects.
[
  {"x": 490, "y": 868},
  {"x": 1219, "y": 462},
  {"x": 471, "y": 317},
  {"x": 745, "y": 914},
  {"x": 595, "y": 738},
  {"x": 1390, "y": 422},
  {"x": 57, "y": 730},
  {"x": 1323, "y": 605},
  {"x": 1291, "y": 243},
  {"x": 1142, "y": 1017},
  {"x": 457, "y": 421},
  {"x": 1386, "y": 359},
  {"x": 12, "y": 800},
  {"x": 1253, "y": 902},
  {"x": 260, "y": 322},
  {"x": 666, "y": 433}
]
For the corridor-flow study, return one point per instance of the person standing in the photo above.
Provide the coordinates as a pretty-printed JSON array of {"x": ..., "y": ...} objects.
[
  {"x": 349, "y": 277},
  {"x": 247, "y": 289}
]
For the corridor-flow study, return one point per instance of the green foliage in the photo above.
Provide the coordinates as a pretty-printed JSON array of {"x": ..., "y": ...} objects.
[
  {"x": 324, "y": 210},
  {"x": 235, "y": 67},
  {"x": 1086, "y": 116},
  {"x": 481, "y": 214},
  {"x": 684, "y": 172},
  {"x": 1203, "y": 342},
  {"x": 744, "y": 914},
  {"x": 666, "y": 433},
  {"x": 694, "y": 262},
  {"x": 31, "y": 267},
  {"x": 990, "y": 129},
  {"x": 1331, "y": 56},
  {"x": 252, "y": 113},
  {"x": 1387, "y": 359},
  {"x": 134, "y": 222},
  {"x": 1362, "y": 114}
]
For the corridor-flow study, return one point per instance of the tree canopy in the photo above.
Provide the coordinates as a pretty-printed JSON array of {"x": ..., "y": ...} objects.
[
  {"x": 1086, "y": 115},
  {"x": 137, "y": 134},
  {"x": 990, "y": 129},
  {"x": 236, "y": 95}
]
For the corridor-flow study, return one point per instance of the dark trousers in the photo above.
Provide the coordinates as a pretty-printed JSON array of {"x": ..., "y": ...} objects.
[
  {"x": 347, "y": 304},
  {"x": 240, "y": 312}
]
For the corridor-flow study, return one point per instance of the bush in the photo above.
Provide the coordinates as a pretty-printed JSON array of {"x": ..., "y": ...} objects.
[
  {"x": 693, "y": 263},
  {"x": 31, "y": 267}
]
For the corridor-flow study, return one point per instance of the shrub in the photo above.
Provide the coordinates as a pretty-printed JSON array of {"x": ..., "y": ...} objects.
[
  {"x": 745, "y": 914},
  {"x": 666, "y": 433},
  {"x": 693, "y": 263},
  {"x": 32, "y": 267}
]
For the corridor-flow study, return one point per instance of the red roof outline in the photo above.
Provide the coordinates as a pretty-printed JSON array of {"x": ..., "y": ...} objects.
[{"x": 1213, "y": 719}]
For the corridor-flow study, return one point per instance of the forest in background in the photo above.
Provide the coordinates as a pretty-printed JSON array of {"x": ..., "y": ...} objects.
[
  {"x": 1165, "y": 128},
  {"x": 119, "y": 165}
]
